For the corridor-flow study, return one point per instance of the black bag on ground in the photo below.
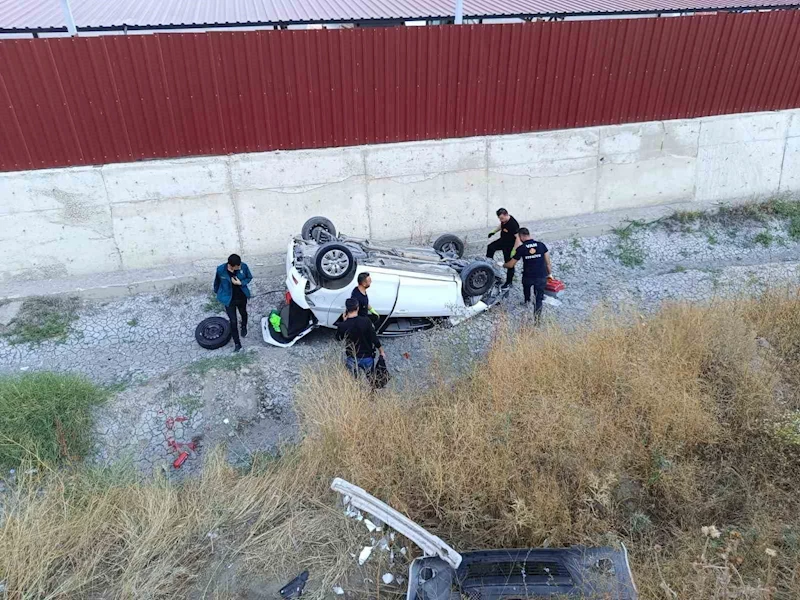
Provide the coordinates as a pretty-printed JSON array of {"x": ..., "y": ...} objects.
[{"x": 381, "y": 375}]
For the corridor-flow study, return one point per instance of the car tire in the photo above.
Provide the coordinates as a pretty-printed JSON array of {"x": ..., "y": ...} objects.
[
  {"x": 450, "y": 245},
  {"x": 318, "y": 229},
  {"x": 477, "y": 278},
  {"x": 335, "y": 261},
  {"x": 213, "y": 333}
]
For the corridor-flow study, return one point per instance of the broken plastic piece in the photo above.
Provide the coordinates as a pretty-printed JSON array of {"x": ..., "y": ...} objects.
[
  {"x": 387, "y": 578},
  {"x": 338, "y": 591},
  {"x": 294, "y": 589},
  {"x": 430, "y": 544},
  {"x": 370, "y": 525},
  {"x": 180, "y": 460},
  {"x": 365, "y": 554}
]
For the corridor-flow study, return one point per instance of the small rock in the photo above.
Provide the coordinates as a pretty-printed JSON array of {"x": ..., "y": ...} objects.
[
  {"x": 9, "y": 312},
  {"x": 231, "y": 433},
  {"x": 762, "y": 343},
  {"x": 338, "y": 591}
]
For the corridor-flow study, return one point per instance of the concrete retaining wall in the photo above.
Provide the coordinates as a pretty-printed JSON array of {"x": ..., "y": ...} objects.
[{"x": 85, "y": 220}]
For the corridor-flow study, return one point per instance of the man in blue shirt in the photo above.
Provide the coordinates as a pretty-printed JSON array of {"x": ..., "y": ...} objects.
[
  {"x": 231, "y": 287},
  {"x": 536, "y": 268}
]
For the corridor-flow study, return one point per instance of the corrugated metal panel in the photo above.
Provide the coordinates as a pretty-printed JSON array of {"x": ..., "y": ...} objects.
[
  {"x": 80, "y": 101},
  {"x": 44, "y": 14}
]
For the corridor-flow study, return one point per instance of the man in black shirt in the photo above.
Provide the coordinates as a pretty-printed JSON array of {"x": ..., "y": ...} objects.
[
  {"x": 536, "y": 268},
  {"x": 360, "y": 295},
  {"x": 360, "y": 337},
  {"x": 508, "y": 229}
]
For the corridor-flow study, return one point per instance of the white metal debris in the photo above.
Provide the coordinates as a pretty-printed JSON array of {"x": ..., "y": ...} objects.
[
  {"x": 365, "y": 554},
  {"x": 370, "y": 525},
  {"x": 430, "y": 544}
]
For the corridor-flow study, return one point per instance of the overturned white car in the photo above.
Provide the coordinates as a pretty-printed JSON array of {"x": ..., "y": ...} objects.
[{"x": 412, "y": 288}]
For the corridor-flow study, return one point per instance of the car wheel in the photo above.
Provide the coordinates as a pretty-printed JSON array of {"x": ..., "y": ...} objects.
[
  {"x": 477, "y": 279},
  {"x": 335, "y": 261},
  {"x": 319, "y": 229},
  {"x": 449, "y": 245},
  {"x": 213, "y": 333}
]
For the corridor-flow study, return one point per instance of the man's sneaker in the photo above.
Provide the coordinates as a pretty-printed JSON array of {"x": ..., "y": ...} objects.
[
  {"x": 244, "y": 330},
  {"x": 237, "y": 348}
]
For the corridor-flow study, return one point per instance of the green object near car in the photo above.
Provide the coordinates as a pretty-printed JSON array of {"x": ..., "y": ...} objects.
[{"x": 275, "y": 320}]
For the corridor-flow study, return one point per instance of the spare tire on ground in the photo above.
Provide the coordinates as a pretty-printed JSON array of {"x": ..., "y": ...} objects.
[
  {"x": 477, "y": 278},
  {"x": 319, "y": 229},
  {"x": 450, "y": 245},
  {"x": 213, "y": 333},
  {"x": 335, "y": 261}
]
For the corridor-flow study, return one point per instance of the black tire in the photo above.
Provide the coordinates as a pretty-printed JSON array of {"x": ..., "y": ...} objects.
[
  {"x": 335, "y": 261},
  {"x": 213, "y": 333},
  {"x": 449, "y": 245},
  {"x": 477, "y": 278},
  {"x": 319, "y": 229}
]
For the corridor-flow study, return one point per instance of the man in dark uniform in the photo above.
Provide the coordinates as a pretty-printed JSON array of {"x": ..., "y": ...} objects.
[
  {"x": 360, "y": 338},
  {"x": 508, "y": 229},
  {"x": 536, "y": 268}
]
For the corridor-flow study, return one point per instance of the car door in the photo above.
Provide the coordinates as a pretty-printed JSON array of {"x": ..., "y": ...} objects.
[{"x": 382, "y": 294}]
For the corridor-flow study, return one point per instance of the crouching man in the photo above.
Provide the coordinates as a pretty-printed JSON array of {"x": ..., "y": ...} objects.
[{"x": 360, "y": 338}]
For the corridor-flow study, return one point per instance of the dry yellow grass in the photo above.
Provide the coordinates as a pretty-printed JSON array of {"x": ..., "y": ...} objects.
[{"x": 641, "y": 430}]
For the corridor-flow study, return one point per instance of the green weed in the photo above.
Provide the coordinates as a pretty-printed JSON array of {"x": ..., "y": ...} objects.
[
  {"x": 230, "y": 362},
  {"x": 133, "y": 322},
  {"x": 45, "y": 417},
  {"x": 794, "y": 228},
  {"x": 212, "y": 304},
  {"x": 45, "y": 318},
  {"x": 765, "y": 238},
  {"x": 191, "y": 404}
]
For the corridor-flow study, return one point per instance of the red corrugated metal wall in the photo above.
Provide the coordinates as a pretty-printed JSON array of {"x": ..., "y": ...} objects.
[{"x": 79, "y": 101}]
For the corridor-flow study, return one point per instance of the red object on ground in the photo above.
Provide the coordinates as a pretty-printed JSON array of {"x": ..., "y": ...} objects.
[
  {"x": 180, "y": 460},
  {"x": 555, "y": 285}
]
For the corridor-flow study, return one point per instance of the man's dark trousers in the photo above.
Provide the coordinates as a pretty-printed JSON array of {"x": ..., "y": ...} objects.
[
  {"x": 538, "y": 285},
  {"x": 241, "y": 304},
  {"x": 498, "y": 245}
]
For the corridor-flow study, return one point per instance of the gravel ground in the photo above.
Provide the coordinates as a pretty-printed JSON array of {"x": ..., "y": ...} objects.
[{"x": 171, "y": 392}]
